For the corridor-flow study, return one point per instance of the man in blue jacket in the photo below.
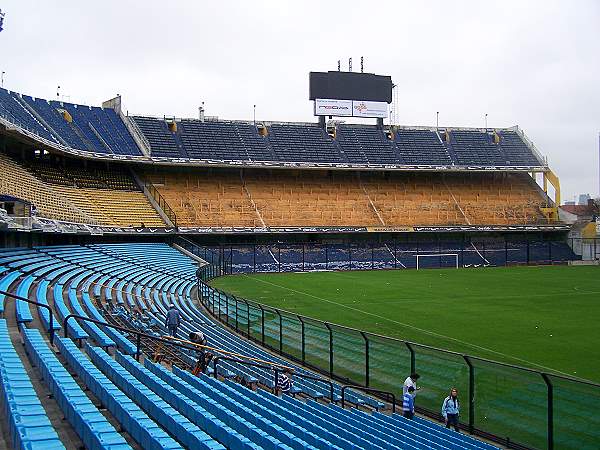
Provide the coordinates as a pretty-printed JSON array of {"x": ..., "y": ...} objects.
[
  {"x": 451, "y": 409},
  {"x": 172, "y": 320},
  {"x": 408, "y": 403}
]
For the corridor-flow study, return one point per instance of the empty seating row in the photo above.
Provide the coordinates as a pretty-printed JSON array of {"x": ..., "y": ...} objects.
[
  {"x": 366, "y": 145},
  {"x": 73, "y": 194},
  {"x": 28, "y": 424},
  {"x": 189, "y": 434},
  {"x": 133, "y": 419},
  {"x": 222, "y": 198},
  {"x": 421, "y": 147},
  {"x": 93, "y": 428}
]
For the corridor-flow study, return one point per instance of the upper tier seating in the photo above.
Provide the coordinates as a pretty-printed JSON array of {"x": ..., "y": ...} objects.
[
  {"x": 476, "y": 148},
  {"x": 158, "y": 135},
  {"x": 303, "y": 143},
  {"x": 13, "y": 109},
  {"x": 55, "y": 120},
  {"x": 222, "y": 140},
  {"x": 516, "y": 151},
  {"x": 91, "y": 128},
  {"x": 235, "y": 141},
  {"x": 366, "y": 145},
  {"x": 421, "y": 147},
  {"x": 101, "y": 130}
]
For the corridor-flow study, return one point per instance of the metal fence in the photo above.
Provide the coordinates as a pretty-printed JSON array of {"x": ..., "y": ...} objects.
[{"x": 516, "y": 406}]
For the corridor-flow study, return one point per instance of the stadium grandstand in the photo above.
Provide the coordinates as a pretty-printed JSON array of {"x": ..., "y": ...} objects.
[{"x": 108, "y": 219}]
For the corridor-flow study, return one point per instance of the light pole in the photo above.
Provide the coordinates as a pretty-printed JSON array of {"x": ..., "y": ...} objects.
[
  {"x": 254, "y": 114},
  {"x": 57, "y": 92},
  {"x": 485, "y": 121},
  {"x": 437, "y": 120},
  {"x": 2, "y": 79}
]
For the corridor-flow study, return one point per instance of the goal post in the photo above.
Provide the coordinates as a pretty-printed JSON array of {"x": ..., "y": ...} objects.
[{"x": 451, "y": 258}]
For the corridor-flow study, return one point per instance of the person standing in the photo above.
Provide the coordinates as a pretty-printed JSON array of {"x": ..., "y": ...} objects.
[
  {"x": 451, "y": 409},
  {"x": 172, "y": 320},
  {"x": 411, "y": 381},
  {"x": 408, "y": 403}
]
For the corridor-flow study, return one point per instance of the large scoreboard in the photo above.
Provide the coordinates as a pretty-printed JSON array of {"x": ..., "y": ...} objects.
[{"x": 350, "y": 94}]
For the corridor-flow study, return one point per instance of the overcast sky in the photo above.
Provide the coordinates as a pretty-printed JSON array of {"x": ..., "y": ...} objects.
[{"x": 535, "y": 64}]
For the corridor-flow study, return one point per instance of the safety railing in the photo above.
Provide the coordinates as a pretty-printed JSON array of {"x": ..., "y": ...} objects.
[
  {"x": 550, "y": 404},
  {"x": 158, "y": 198},
  {"x": 42, "y": 305},
  {"x": 181, "y": 343},
  {"x": 276, "y": 368},
  {"x": 138, "y": 334},
  {"x": 367, "y": 390}
]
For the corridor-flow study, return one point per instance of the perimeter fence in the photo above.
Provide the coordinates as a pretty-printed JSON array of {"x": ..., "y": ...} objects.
[
  {"x": 516, "y": 406},
  {"x": 395, "y": 254}
]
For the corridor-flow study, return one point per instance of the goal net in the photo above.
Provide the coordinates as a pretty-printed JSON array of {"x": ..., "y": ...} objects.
[{"x": 437, "y": 261}]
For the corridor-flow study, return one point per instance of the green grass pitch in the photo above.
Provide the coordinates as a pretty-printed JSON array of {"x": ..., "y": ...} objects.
[{"x": 546, "y": 318}]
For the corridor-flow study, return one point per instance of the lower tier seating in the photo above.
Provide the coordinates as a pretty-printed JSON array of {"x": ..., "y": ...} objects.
[
  {"x": 28, "y": 424},
  {"x": 116, "y": 402}
]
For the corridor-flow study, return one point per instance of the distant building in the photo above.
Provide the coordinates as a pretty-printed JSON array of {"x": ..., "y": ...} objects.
[
  {"x": 583, "y": 212},
  {"x": 583, "y": 199}
]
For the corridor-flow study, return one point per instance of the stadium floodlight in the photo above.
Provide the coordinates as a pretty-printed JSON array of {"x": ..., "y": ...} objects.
[{"x": 439, "y": 256}]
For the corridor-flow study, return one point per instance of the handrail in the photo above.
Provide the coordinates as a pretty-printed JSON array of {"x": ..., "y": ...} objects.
[
  {"x": 164, "y": 339},
  {"x": 161, "y": 202},
  {"x": 274, "y": 367},
  {"x": 225, "y": 352},
  {"x": 33, "y": 302},
  {"x": 138, "y": 334},
  {"x": 366, "y": 389}
]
